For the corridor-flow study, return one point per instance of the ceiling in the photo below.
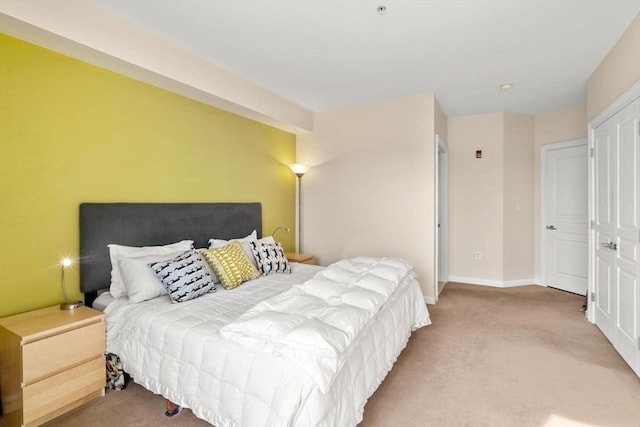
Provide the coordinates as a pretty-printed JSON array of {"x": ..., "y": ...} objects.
[{"x": 327, "y": 54}]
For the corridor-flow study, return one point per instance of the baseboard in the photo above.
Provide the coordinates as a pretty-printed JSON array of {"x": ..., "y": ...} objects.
[
  {"x": 429, "y": 300},
  {"x": 494, "y": 283},
  {"x": 521, "y": 282}
]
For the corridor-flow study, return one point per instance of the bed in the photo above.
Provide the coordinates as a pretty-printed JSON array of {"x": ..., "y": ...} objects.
[{"x": 198, "y": 355}]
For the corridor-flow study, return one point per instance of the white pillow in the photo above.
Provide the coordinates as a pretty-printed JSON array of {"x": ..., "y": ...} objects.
[
  {"x": 218, "y": 243},
  {"x": 118, "y": 252},
  {"x": 139, "y": 280}
]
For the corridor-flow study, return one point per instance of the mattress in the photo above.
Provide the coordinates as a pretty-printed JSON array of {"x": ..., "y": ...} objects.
[{"x": 176, "y": 350}]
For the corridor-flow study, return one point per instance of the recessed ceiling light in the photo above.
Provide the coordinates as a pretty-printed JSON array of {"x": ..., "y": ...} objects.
[
  {"x": 506, "y": 86},
  {"x": 381, "y": 9}
]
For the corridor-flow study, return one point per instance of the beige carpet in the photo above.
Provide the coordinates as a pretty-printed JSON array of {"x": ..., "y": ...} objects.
[
  {"x": 523, "y": 356},
  {"x": 493, "y": 357}
]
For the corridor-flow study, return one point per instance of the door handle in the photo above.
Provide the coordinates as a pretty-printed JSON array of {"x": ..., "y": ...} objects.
[
  {"x": 551, "y": 227},
  {"x": 610, "y": 245}
]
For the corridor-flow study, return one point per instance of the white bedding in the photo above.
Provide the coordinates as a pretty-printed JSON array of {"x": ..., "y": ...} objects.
[
  {"x": 177, "y": 350},
  {"x": 314, "y": 324}
]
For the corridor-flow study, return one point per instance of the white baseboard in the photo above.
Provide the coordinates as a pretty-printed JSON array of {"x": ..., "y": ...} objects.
[
  {"x": 494, "y": 283},
  {"x": 521, "y": 282},
  {"x": 429, "y": 300}
]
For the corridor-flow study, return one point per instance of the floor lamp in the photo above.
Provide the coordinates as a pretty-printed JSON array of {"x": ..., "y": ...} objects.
[{"x": 299, "y": 169}]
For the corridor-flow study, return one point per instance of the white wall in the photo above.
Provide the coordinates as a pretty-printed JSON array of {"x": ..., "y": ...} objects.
[{"x": 371, "y": 189}]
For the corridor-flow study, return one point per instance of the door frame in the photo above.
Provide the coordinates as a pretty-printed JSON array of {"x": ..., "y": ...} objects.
[
  {"x": 544, "y": 150},
  {"x": 441, "y": 213},
  {"x": 618, "y": 104}
]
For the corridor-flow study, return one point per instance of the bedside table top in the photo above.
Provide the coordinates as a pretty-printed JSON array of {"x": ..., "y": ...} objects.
[
  {"x": 37, "y": 324},
  {"x": 298, "y": 257}
]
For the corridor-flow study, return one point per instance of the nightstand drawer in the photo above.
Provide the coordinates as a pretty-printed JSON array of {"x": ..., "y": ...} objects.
[
  {"x": 51, "y": 394},
  {"x": 56, "y": 353}
]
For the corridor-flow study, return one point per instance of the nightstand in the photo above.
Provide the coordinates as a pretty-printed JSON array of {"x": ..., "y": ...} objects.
[
  {"x": 301, "y": 258},
  {"x": 51, "y": 361}
]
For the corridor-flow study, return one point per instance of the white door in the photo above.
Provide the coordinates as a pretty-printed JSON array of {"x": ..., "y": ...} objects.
[
  {"x": 443, "y": 246},
  {"x": 441, "y": 260},
  {"x": 565, "y": 207},
  {"x": 602, "y": 228},
  {"x": 616, "y": 175}
]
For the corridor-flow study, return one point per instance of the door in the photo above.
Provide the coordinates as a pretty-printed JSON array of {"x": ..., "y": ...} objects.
[
  {"x": 616, "y": 187},
  {"x": 565, "y": 207},
  {"x": 442, "y": 213},
  {"x": 602, "y": 228}
]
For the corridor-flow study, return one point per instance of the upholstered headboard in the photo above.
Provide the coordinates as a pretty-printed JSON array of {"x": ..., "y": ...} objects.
[{"x": 153, "y": 224}]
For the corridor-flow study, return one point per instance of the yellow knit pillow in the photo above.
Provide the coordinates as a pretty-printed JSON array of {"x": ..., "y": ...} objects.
[{"x": 231, "y": 265}]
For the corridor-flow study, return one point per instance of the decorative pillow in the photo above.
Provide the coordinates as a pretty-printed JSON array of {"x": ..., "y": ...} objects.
[
  {"x": 184, "y": 276},
  {"x": 208, "y": 267},
  {"x": 246, "y": 247},
  {"x": 231, "y": 265},
  {"x": 270, "y": 258},
  {"x": 244, "y": 242},
  {"x": 157, "y": 253}
]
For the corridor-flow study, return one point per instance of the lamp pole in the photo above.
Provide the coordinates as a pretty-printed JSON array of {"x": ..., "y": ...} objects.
[
  {"x": 299, "y": 225},
  {"x": 299, "y": 169}
]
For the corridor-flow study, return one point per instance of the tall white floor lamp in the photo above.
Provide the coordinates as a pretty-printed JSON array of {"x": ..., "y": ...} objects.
[{"x": 299, "y": 169}]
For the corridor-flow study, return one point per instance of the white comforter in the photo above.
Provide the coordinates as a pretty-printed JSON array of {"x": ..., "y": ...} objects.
[
  {"x": 314, "y": 324},
  {"x": 177, "y": 350}
]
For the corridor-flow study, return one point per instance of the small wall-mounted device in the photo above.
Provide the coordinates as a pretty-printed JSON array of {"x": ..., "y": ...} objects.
[{"x": 478, "y": 154}]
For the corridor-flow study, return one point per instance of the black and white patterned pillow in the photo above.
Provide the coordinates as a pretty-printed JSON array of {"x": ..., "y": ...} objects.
[
  {"x": 185, "y": 276},
  {"x": 270, "y": 258}
]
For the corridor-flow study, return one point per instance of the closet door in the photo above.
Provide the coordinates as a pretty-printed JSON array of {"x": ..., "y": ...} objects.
[
  {"x": 605, "y": 294},
  {"x": 626, "y": 233},
  {"x": 616, "y": 225}
]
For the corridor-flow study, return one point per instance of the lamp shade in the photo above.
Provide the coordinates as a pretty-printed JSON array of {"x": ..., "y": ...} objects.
[{"x": 299, "y": 169}]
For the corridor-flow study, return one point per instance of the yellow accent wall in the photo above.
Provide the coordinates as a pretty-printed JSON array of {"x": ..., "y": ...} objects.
[{"x": 71, "y": 132}]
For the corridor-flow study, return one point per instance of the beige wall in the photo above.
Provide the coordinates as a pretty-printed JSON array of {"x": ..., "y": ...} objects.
[
  {"x": 491, "y": 199},
  {"x": 518, "y": 197},
  {"x": 476, "y": 196},
  {"x": 618, "y": 71},
  {"x": 554, "y": 126},
  {"x": 371, "y": 187},
  {"x": 440, "y": 121}
]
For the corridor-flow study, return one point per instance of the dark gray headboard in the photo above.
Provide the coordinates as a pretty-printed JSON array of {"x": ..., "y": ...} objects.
[{"x": 152, "y": 224}]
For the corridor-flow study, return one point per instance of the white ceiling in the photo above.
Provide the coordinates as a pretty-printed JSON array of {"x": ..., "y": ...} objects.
[{"x": 326, "y": 54}]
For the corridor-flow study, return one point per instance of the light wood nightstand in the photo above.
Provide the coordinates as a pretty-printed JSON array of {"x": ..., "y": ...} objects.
[
  {"x": 51, "y": 361},
  {"x": 301, "y": 258}
]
